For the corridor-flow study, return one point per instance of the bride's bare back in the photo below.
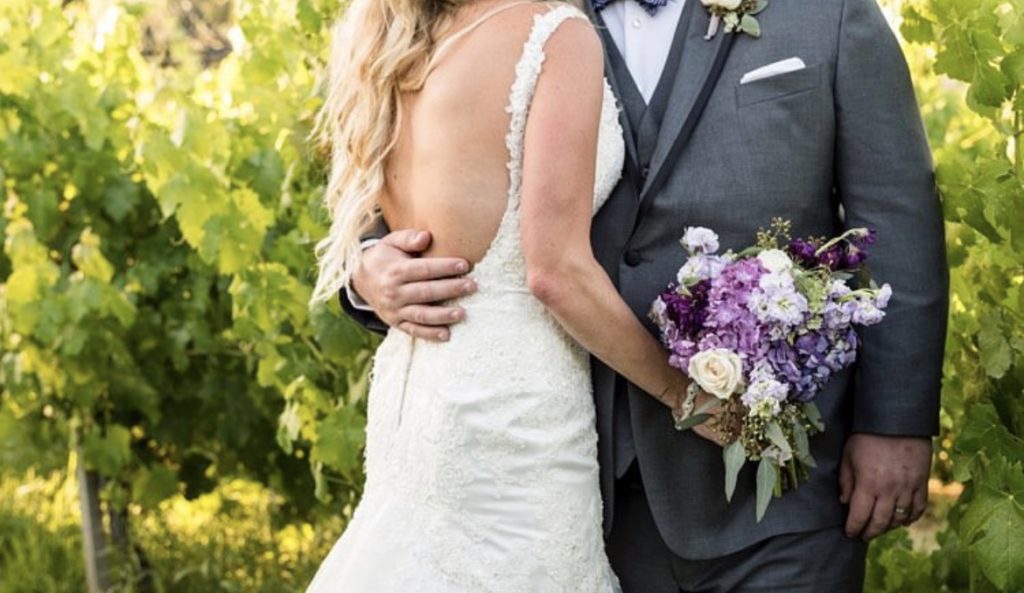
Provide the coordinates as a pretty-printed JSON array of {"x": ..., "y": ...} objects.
[{"x": 448, "y": 171}]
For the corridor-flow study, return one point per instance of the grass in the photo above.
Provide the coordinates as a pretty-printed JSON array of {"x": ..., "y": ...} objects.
[
  {"x": 228, "y": 541},
  {"x": 222, "y": 542}
]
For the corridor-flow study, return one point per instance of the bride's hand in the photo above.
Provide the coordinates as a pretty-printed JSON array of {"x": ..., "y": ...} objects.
[{"x": 711, "y": 405}]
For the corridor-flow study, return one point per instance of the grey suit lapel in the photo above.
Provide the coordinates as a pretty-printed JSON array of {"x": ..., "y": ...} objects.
[{"x": 699, "y": 68}]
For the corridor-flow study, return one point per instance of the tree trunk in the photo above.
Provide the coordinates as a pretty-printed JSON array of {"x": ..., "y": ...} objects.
[{"x": 94, "y": 542}]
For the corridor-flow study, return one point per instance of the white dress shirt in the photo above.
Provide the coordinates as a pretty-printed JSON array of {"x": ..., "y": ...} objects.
[{"x": 643, "y": 40}]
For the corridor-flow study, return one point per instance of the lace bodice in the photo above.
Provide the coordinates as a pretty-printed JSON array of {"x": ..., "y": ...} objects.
[{"x": 503, "y": 266}]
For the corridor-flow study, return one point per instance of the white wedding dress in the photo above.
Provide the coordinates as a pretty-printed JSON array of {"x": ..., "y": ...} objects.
[{"x": 481, "y": 453}]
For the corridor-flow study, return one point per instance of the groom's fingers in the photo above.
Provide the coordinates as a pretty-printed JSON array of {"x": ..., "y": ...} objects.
[
  {"x": 430, "y": 268},
  {"x": 845, "y": 480},
  {"x": 920, "y": 504},
  {"x": 903, "y": 510},
  {"x": 424, "y": 332},
  {"x": 429, "y": 315},
  {"x": 433, "y": 291},
  {"x": 410, "y": 241},
  {"x": 861, "y": 506},
  {"x": 881, "y": 518}
]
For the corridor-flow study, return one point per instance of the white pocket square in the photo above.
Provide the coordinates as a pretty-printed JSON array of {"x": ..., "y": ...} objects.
[{"x": 773, "y": 69}]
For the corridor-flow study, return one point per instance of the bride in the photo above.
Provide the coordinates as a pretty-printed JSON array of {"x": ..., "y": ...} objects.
[{"x": 489, "y": 123}]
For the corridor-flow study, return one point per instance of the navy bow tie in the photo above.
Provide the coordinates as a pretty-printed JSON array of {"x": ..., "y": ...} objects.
[{"x": 650, "y": 6}]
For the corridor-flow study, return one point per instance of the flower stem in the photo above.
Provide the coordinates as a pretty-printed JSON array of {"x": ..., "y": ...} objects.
[{"x": 842, "y": 237}]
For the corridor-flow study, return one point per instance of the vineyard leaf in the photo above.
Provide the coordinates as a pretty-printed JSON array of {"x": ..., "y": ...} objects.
[
  {"x": 340, "y": 439},
  {"x": 984, "y": 434},
  {"x": 915, "y": 27},
  {"x": 989, "y": 88},
  {"x": 996, "y": 354},
  {"x": 1013, "y": 66},
  {"x": 993, "y": 522},
  {"x": 107, "y": 453},
  {"x": 154, "y": 485}
]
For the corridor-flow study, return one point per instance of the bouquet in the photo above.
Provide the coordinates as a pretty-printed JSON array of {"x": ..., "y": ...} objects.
[{"x": 762, "y": 330}]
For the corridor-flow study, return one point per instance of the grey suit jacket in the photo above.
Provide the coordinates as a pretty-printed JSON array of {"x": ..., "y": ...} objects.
[{"x": 838, "y": 144}]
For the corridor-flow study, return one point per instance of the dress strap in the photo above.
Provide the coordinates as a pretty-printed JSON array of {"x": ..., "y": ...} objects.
[
  {"x": 504, "y": 264},
  {"x": 447, "y": 42},
  {"x": 524, "y": 86}
]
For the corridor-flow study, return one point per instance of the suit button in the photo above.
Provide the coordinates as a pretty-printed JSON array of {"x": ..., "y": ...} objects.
[{"x": 633, "y": 258}]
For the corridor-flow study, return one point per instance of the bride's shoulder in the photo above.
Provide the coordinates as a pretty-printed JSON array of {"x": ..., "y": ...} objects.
[
  {"x": 556, "y": 27},
  {"x": 519, "y": 17}
]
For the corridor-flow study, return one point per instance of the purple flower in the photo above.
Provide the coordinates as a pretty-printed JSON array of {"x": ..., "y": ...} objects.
[
  {"x": 803, "y": 252},
  {"x": 793, "y": 331}
]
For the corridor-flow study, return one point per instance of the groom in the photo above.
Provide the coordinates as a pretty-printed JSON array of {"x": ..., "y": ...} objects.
[{"x": 815, "y": 122}]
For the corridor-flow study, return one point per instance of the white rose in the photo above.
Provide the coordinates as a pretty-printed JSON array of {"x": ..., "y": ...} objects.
[
  {"x": 718, "y": 371},
  {"x": 775, "y": 261},
  {"x": 726, "y": 4}
]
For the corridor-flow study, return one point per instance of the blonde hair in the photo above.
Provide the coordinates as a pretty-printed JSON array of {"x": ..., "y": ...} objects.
[{"x": 379, "y": 50}]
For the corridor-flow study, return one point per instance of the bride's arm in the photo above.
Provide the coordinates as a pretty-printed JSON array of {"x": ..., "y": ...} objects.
[{"x": 557, "y": 202}]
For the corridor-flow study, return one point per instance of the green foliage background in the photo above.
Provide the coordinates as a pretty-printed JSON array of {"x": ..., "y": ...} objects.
[{"x": 160, "y": 204}]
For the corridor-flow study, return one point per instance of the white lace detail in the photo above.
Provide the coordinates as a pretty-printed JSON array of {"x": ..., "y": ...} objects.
[
  {"x": 503, "y": 266},
  {"x": 481, "y": 453}
]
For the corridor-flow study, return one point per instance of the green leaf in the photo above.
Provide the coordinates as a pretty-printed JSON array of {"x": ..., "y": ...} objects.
[
  {"x": 693, "y": 420},
  {"x": 996, "y": 354},
  {"x": 750, "y": 25},
  {"x": 992, "y": 525},
  {"x": 288, "y": 425},
  {"x": 915, "y": 27},
  {"x": 767, "y": 477},
  {"x": 778, "y": 438},
  {"x": 107, "y": 453},
  {"x": 152, "y": 486},
  {"x": 735, "y": 458},
  {"x": 814, "y": 416},
  {"x": 801, "y": 442},
  {"x": 984, "y": 434},
  {"x": 340, "y": 440},
  {"x": 990, "y": 87}
]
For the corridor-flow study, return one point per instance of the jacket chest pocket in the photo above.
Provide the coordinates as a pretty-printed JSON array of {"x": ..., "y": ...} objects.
[
  {"x": 777, "y": 87},
  {"x": 787, "y": 128}
]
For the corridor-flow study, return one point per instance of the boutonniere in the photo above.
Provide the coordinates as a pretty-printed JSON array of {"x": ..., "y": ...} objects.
[{"x": 738, "y": 16}]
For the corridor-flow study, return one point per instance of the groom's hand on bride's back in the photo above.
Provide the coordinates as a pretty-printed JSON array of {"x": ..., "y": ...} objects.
[{"x": 403, "y": 288}]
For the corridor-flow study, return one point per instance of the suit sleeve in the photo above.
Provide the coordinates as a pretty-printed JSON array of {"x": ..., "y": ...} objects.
[
  {"x": 357, "y": 310},
  {"x": 885, "y": 180}
]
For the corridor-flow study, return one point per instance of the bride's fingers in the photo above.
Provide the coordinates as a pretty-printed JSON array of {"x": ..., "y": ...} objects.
[{"x": 706, "y": 432}]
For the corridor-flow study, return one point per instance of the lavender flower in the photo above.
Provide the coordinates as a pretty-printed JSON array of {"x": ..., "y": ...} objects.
[{"x": 700, "y": 240}]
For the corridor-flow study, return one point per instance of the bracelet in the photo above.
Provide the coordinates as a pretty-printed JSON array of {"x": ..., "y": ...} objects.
[{"x": 686, "y": 409}]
